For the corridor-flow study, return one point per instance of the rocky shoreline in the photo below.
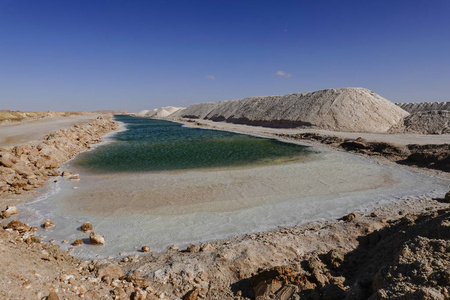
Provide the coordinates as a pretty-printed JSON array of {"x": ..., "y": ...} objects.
[
  {"x": 398, "y": 250},
  {"x": 27, "y": 167}
]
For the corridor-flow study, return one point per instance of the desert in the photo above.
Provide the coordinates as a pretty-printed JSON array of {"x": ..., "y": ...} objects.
[{"x": 397, "y": 247}]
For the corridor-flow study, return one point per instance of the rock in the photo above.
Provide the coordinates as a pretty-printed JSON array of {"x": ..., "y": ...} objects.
[
  {"x": 350, "y": 217},
  {"x": 52, "y": 296},
  {"x": 10, "y": 210},
  {"x": 335, "y": 258},
  {"x": 78, "y": 242},
  {"x": 66, "y": 174},
  {"x": 75, "y": 177},
  {"x": 18, "y": 225},
  {"x": 36, "y": 239},
  {"x": 96, "y": 239},
  {"x": 145, "y": 249},
  {"x": 173, "y": 248},
  {"x": 46, "y": 163},
  {"x": 86, "y": 226},
  {"x": 447, "y": 197},
  {"x": 139, "y": 294},
  {"x": 267, "y": 282},
  {"x": 286, "y": 292},
  {"x": 191, "y": 295},
  {"x": 443, "y": 230},
  {"x": 48, "y": 223},
  {"x": 111, "y": 270},
  {"x": 207, "y": 248},
  {"x": 22, "y": 169},
  {"x": 7, "y": 160},
  {"x": 193, "y": 248}
]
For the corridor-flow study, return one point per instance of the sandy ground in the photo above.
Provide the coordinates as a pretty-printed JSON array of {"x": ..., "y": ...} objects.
[
  {"x": 31, "y": 130},
  {"x": 396, "y": 139}
]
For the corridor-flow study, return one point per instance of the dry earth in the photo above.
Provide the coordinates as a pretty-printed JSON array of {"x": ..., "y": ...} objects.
[{"x": 398, "y": 251}]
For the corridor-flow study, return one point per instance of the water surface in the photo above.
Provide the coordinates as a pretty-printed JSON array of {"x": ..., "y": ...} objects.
[{"x": 157, "y": 145}]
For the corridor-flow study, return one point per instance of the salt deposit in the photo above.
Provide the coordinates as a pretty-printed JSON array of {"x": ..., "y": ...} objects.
[
  {"x": 345, "y": 109},
  {"x": 161, "y": 112}
]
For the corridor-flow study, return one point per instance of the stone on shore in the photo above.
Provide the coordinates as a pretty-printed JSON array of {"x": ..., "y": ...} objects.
[
  {"x": 78, "y": 242},
  {"x": 7, "y": 160},
  {"x": 193, "y": 248},
  {"x": 18, "y": 225},
  {"x": 87, "y": 226},
  {"x": 447, "y": 197},
  {"x": 350, "y": 217},
  {"x": 48, "y": 223},
  {"x": 9, "y": 211},
  {"x": 96, "y": 239},
  {"x": 145, "y": 249},
  {"x": 66, "y": 174}
]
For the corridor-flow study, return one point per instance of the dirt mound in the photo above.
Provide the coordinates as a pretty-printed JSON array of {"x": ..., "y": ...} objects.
[{"x": 346, "y": 109}]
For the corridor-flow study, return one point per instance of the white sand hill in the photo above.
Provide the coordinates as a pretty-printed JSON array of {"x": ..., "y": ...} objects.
[{"x": 344, "y": 109}]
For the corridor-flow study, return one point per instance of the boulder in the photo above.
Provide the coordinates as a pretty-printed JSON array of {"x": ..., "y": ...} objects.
[
  {"x": 66, "y": 174},
  {"x": 145, "y": 249},
  {"x": 193, "y": 248},
  {"x": 111, "y": 270},
  {"x": 447, "y": 197},
  {"x": 350, "y": 217},
  {"x": 96, "y": 239},
  {"x": 139, "y": 294},
  {"x": 207, "y": 248},
  {"x": 78, "y": 242},
  {"x": 87, "y": 226},
  {"x": 18, "y": 225},
  {"x": 335, "y": 258},
  {"x": 191, "y": 295},
  {"x": 7, "y": 160},
  {"x": 22, "y": 169},
  {"x": 46, "y": 163},
  {"x": 48, "y": 223},
  {"x": 10, "y": 210}
]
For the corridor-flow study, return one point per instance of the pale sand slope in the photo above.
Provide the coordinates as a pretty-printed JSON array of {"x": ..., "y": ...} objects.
[
  {"x": 344, "y": 109},
  {"x": 27, "y": 131},
  {"x": 396, "y": 139}
]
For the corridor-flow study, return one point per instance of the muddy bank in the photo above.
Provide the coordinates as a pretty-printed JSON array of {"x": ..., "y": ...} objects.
[{"x": 27, "y": 167}]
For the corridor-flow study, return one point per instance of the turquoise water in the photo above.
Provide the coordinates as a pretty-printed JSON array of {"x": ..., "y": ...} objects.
[{"x": 156, "y": 145}]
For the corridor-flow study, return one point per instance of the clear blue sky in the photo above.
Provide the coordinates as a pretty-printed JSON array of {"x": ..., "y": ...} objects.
[{"x": 133, "y": 55}]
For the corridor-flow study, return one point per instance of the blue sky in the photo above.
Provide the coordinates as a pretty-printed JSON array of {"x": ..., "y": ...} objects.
[{"x": 133, "y": 55}]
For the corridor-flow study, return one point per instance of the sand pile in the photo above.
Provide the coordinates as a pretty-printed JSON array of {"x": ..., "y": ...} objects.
[
  {"x": 346, "y": 109},
  {"x": 161, "y": 112}
]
